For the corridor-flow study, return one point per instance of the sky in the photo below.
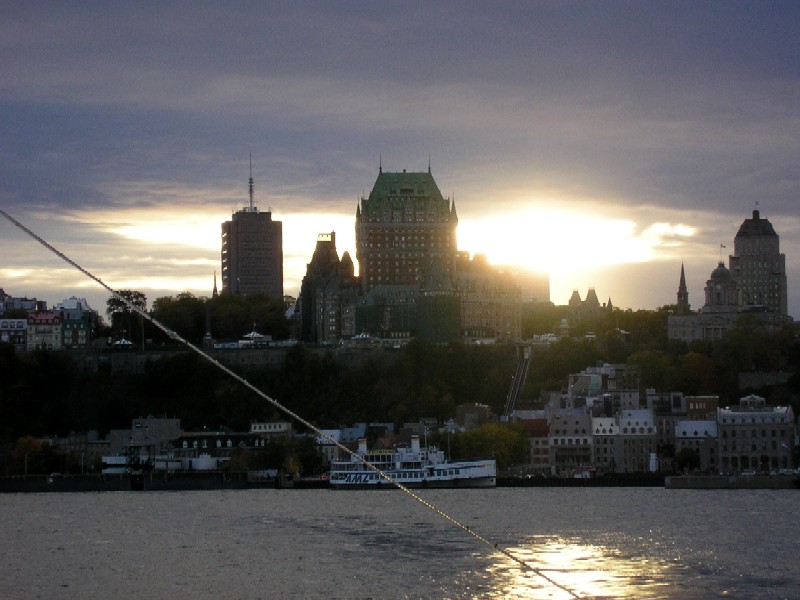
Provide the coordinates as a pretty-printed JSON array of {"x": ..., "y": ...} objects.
[{"x": 605, "y": 143}]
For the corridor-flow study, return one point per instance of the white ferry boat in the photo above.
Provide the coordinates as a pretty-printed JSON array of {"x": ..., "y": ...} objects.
[{"x": 412, "y": 466}]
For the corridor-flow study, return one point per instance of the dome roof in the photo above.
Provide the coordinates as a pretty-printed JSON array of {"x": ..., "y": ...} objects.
[{"x": 721, "y": 272}]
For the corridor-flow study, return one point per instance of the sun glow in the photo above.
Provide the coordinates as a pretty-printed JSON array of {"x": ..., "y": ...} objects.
[
  {"x": 189, "y": 245},
  {"x": 566, "y": 242},
  {"x": 174, "y": 251},
  {"x": 584, "y": 571}
]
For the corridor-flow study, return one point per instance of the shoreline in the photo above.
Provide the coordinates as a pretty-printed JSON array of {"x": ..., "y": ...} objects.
[{"x": 199, "y": 481}]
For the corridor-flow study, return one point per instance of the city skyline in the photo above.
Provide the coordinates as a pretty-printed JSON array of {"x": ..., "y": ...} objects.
[{"x": 606, "y": 144}]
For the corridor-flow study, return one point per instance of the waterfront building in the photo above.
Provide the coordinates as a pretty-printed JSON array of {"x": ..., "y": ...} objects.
[
  {"x": 669, "y": 409},
  {"x": 150, "y": 435},
  {"x": 252, "y": 252},
  {"x": 638, "y": 436},
  {"x": 538, "y": 432},
  {"x": 759, "y": 267},
  {"x": 605, "y": 444},
  {"x": 327, "y": 445},
  {"x": 269, "y": 430},
  {"x": 754, "y": 436},
  {"x": 699, "y": 437},
  {"x": 570, "y": 441}
]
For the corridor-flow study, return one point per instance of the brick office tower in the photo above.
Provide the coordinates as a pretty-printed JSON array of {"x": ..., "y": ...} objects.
[
  {"x": 252, "y": 252},
  {"x": 758, "y": 267},
  {"x": 405, "y": 231}
]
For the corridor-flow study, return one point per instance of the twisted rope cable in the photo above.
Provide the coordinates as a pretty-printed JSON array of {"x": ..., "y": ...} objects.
[{"x": 175, "y": 336}]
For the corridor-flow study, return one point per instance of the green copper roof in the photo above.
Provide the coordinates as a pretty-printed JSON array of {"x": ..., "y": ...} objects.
[
  {"x": 409, "y": 193},
  {"x": 406, "y": 184}
]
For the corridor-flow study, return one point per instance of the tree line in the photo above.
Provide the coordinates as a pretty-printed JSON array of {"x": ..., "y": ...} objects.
[{"x": 42, "y": 393}]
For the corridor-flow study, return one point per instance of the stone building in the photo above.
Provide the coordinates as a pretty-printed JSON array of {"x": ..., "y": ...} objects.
[
  {"x": 754, "y": 436},
  {"x": 404, "y": 230},
  {"x": 755, "y": 284},
  {"x": 699, "y": 437},
  {"x": 14, "y": 332},
  {"x": 44, "y": 331},
  {"x": 328, "y": 294},
  {"x": 570, "y": 442},
  {"x": 490, "y": 300},
  {"x": 758, "y": 267}
]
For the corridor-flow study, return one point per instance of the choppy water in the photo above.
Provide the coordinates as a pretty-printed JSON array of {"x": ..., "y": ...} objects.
[{"x": 597, "y": 542}]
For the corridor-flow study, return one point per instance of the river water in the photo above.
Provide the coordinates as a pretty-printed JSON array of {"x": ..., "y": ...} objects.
[{"x": 248, "y": 544}]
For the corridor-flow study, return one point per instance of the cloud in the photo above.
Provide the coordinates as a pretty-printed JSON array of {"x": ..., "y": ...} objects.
[{"x": 663, "y": 117}]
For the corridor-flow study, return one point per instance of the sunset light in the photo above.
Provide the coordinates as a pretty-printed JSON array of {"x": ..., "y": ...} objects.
[{"x": 565, "y": 242}]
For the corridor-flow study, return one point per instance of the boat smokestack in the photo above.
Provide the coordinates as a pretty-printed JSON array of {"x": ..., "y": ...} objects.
[
  {"x": 414, "y": 443},
  {"x": 362, "y": 446}
]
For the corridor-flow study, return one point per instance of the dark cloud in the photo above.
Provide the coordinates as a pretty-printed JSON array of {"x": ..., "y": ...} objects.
[{"x": 655, "y": 107}]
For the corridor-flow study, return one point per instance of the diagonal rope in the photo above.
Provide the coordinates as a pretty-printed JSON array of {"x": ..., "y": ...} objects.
[{"x": 175, "y": 336}]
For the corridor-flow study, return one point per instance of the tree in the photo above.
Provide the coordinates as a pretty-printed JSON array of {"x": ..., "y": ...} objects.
[
  {"x": 120, "y": 313},
  {"x": 507, "y": 444},
  {"x": 31, "y": 457},
  {"x": 185, "y": 314}
]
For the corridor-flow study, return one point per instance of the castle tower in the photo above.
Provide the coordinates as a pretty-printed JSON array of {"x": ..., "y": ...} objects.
[{"x": 404, "y": 229}]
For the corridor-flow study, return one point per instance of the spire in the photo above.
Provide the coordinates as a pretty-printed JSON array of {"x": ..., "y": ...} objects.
[
  {"x": 214, "y": 292},
  {"x": 380, "y": 163},
  {"x": 683, "y": 294},
  {"x": 429, "y": 164}
]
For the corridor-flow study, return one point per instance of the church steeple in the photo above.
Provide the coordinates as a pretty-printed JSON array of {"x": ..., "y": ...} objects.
[{"x": 683, "y": 295}]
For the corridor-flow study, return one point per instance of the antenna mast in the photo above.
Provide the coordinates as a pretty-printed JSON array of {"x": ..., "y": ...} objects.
[{"x": 250, "y": 182}]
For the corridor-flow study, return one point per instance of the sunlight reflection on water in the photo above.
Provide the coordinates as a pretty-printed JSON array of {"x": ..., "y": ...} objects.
[{"x": 582, "y": 571}]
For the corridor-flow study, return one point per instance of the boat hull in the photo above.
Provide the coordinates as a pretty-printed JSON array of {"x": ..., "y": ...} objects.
[
  {"x": 411, "y": 467},
  {"x": 383, "y": 484}
]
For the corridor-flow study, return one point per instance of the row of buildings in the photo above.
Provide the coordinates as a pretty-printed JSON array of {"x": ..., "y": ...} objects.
[
  {"x": 597, "y": 427},
  {"x": 412, "y": 282},
  {"x": 68, "y": 325},
  {"x": 753, "y": 284},
  {"x": 602, "y": 424}
]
